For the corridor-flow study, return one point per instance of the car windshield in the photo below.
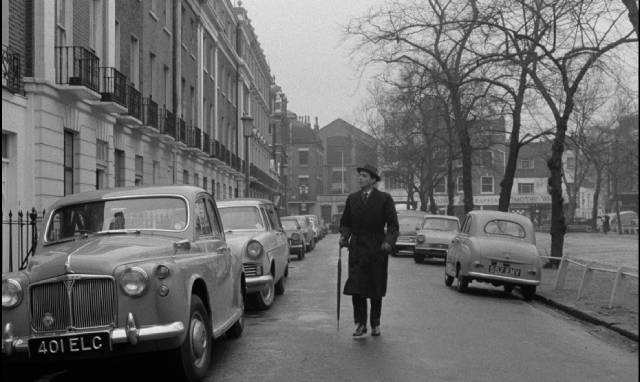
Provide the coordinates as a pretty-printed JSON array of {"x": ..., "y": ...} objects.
[
  {"x": 506, "y": 228},
  {"x": 136, "y": 214},
  {"x": 289, "y": 224},
  {"x": 440, "y": 224},
  {"x": 241, "y": 217},
  {"x": 409, "y": 223}
]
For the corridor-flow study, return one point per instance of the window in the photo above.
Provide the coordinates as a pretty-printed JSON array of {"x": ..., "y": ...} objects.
[
  {"x": 205, "y": 183},
  {"x": 505, "y": 227},
  {"x": 102, "y": 153},
  {"x": 134, "y": 62},
  {"x": 203, "y": 226},
  {"x": 486, "y": 184},
  {"x": 303, "y": 157},
  {"x": 61, "y": 30},
  {"x": 525, "y": 188},
  {"x": 94, "y": 9},
  {"x": 526, "y": 164},
  {"x": 216, "y": 227},
  {"x": 68, "y": 162},
  {"x": 441, "y": 186},
  {"x": 196, "y": 180},
  {"x": 156, "y": 171},
  {"x": 139, "y": 170},
  {"x": 167, "y": 13},
  {"x": 392, "y": 181},
  {"x": 185, "y": 177},
  {"x": 5, "y": 146},
  {"x": 119, "y": 168},
  {"x": 459, "y": 184}
]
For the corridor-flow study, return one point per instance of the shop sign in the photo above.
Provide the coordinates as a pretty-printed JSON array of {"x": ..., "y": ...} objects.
[{"x": 493, "y": 200}]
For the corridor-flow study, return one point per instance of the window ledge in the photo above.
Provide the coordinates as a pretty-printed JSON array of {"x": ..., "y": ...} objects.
[{"x": 153, "y": 15}]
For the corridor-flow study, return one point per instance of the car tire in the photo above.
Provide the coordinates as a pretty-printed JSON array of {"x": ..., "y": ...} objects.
[
  {"x": 528, "y": 291},
  {"x": 280, "y": 285},
  {"x": 508, "y": 288},
  {"x": 448, "y": 280},
  {"x": 194, "y": 355},
  {"x": 264, "y": 299},
  {"x": 463, "y": 284},
  {"x": 418, "y": 259}
]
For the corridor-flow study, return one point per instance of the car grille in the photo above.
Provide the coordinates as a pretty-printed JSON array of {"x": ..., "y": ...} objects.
[
  {"x": 250, "y": 269},
  {"x": 77, "y": 303},
  {"x": 410, "y": 239}
]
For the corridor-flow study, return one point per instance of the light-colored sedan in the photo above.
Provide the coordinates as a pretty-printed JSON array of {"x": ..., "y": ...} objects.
[
  {"x": 253, "y": 229},
  {"x": 495, "y": 247},
  {"x": 126, "y": 271},
  {"x": 434, "y": 237},
  {"x": 297, "y": 244},
  {"x": 409, "y": 222}
]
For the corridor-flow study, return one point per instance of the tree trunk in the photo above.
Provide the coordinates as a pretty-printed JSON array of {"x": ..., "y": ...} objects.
[
  {"x": 596, "y": 197},
  {"x": 433, "y": 207},
  {"x": 558, "y": 224},
  {"x": 465, "y": 147}
]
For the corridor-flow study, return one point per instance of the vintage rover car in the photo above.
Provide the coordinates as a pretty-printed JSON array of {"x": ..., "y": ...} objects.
[
  {"x": 126, "y": 271},
  {"x": 433, "y": 238},
  {"x": 409, "y": 222},
  {"x": 254, "y": 231},
  {"x": 495, "y": 247},
  {"x": 295, "y": 236}
]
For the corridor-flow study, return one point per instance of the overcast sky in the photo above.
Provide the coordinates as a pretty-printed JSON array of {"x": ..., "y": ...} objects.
[{"x": 302, "y": 42}]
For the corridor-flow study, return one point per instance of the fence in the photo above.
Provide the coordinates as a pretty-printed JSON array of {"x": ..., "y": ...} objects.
[
  {"x": 618, "y": 286},
  {"x": 19, "y": 238}
]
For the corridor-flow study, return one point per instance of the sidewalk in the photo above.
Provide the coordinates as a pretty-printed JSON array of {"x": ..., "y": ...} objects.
[{"x": 612, "y": 250}]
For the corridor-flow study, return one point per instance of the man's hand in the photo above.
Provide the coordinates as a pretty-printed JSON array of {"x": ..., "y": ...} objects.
[
  {"x": 344, "y": 242},
  {"x": 386, "y": 248}
]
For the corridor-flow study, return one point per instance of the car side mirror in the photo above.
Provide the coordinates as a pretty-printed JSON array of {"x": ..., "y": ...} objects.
[{"x": 182, "y": 244}]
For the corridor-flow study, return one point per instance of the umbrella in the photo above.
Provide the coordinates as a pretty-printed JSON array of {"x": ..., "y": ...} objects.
[{"x": 339, "y": 281}]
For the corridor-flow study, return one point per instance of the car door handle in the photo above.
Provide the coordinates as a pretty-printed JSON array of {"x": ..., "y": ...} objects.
[{"x": 222, "y": 250}]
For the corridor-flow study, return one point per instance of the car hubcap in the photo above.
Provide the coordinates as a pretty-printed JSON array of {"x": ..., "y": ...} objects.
[
  {"x": 266, "y": 295},
  {"x": 199, "y": 340}
]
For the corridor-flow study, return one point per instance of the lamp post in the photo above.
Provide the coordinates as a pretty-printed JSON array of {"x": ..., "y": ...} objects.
[{"x": 247, "y": 131}]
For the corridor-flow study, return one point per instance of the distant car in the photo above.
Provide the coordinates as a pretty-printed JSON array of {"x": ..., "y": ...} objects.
[
  {"x": 434, "y": 237},
  {"x": 307, "y": 230},
  {"x": 297, "y": 242},
  {"x": 410, "y": 222},
  {"x": 495, "y": 247},
  {"x": 253, "y": 229},
  {"x": 126, "y": 271},
  {"x": 315, "y": 225}
]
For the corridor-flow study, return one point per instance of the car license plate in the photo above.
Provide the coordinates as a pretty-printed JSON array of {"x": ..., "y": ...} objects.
[
  {"x": 504, "y": 269},
  {"x": 90, "y": 343}
]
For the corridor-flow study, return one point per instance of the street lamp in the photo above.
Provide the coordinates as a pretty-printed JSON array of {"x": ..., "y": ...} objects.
[{"x": 247, "y": 131}]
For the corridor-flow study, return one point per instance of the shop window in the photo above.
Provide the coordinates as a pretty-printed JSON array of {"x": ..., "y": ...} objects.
[{"x": 486, "y": 184}]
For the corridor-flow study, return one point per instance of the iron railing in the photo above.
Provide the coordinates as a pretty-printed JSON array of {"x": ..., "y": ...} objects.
[
  {"x": 134, "y": 102},
  {"x": 194, "y": 137},
  {"x": 166, "y": 122},
  {"x": 206, "y": 143},
  {"x": 149, "y": 113},
  {"x": 75, "y": 65},
  {"x": 113, "y": 85},
  {"x": 181, "y": 131},
  {"x": 19, "y": 238},
  {"x": 11, "y": 70}
]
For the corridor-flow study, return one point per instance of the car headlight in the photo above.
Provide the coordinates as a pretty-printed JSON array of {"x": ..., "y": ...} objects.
[
  {"x": 295, "y": 237},
  {"x": 254, "y": 249},
  {"x": 11, "y": 293},
  {"x": 134, "y": 281},
  {"x": 420, "y": 239}
]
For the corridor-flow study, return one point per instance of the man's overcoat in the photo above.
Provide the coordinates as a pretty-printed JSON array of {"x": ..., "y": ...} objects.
[{"x": 363, "y": 223}]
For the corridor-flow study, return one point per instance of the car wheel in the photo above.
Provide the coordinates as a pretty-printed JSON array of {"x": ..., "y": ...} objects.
[
  {"x": 264, "y": 298},
  {"x": 508, "y": 288},
  {"x": 448, "y": 280},
  {"x": 463, "y": 284},
  {"x": 280, "y": 285},
  {"x": 528, "y": 291},
  {"x": 195, "y": 353},
  {"x": 418, "y": 259}
]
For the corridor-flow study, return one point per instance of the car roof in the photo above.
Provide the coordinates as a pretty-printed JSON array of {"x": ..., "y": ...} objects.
[
  {"x": 94, "y": 195},
  {"x": 412, "y": 213},
  {"x": 486, "y": 215},
  {"x": 243, "y": 202},
  {"x": 448, "y": 217}
]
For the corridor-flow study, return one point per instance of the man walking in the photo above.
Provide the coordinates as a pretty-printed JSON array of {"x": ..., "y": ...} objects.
[{"x": 362, "y": 229}]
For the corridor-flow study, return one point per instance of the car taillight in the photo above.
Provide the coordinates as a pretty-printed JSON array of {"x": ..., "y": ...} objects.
[{"x": 420, "y": 238}]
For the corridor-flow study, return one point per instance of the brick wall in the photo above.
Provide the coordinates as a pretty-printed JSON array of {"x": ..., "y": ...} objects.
[
  {"x": 128, "y": 14},
  {"x": 81, "y": 28}
]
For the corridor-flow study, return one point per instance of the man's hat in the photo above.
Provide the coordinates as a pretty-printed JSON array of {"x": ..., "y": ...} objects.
[{"x": 371, "y": 170}]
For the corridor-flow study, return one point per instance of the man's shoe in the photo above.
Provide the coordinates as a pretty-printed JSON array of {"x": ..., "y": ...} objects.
[
  {"x": 360, "y": 331},
  {"x": 375, "y": 331}
]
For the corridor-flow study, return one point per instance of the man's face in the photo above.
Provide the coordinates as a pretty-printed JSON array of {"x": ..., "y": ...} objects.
[{"x": 365, "y": 179}]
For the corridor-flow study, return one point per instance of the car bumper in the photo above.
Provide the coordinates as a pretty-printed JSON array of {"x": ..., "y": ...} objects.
[
  {"x": 130, "y": 334},
  {"x": 295, "y": 248},
  {"x": 504, "y": 279},
  {"x": 405, "y": 246},
  {"x": 258, "y": 283},
  {"x": 430, "y": 252}
]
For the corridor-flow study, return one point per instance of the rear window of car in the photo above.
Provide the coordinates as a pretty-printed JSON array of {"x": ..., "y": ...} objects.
[
  {"x": 148, "y": 213},
  {"x": 440, "y": 224},
  {"x": 410, "y": 221},
  {"x": 505, "y": 228},
  {"x": 289, "y": 224},
  {"x": 241, "y": 217}
]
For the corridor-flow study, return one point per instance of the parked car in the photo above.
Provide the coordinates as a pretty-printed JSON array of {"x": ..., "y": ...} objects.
[
  {"x": 495, "y": 247},
  {"x": 126, "y": 271},
  {"x": 433, "y": 238},
  {"x": 295, "y": 236},
  {"x": 409, "y": 221},
  {"x": 253, "y": 229},
  {"x": 307, "y": 229},
  {"x": 315, "y": 226}
]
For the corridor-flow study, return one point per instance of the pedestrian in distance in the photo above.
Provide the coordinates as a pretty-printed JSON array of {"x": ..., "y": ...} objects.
[
  {"x": 362, "y": 230},
  {"x": 605, "y": 224}
]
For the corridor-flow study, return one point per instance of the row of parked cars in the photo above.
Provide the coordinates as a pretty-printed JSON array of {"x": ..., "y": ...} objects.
[
  {"x": 144, "y": 269},
  {"x": 303, "y": 232},
  {"x": 488, "y": 246}
]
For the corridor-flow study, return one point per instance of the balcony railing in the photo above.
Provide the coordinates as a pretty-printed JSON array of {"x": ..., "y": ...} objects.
[
  {"x": 194, "y": 138},
  {"x": 206, "y": 143},
  {"x": 215, "y": 152},
  {"x": 11, "y": 70},
  {"x": 134, "y": 102},
  {"x": 181, "y": 130},
  {"x": 75, "y": 65},
  {"x": 113, "y": 86},
  {"x": 149, "y": 112},
  {"x": 167, "y": 122}
]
